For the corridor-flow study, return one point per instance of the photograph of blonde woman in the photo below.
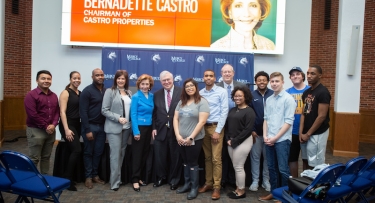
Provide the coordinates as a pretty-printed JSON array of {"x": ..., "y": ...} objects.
[{"x": 244, "y": 18}]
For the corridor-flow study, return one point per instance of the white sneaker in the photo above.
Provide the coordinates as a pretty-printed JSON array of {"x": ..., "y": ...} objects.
[
  {"x": 254, "y": 186},
  {"x": 266, "y": 185}
]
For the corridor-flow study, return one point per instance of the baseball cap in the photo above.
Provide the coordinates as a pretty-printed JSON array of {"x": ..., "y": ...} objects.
[{"x": 295, "y": 68}]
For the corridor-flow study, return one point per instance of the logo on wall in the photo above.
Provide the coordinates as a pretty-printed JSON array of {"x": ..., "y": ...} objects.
[
  {"x": 221, "y": 61},
  {"x": 133, "y": 58},
  {"x": 112, "y": 56},
  {"x": 243, "y": 61},
  {"x": 178, "y": 79},
  {"x": 220, "y": 79},
  {"x": 133, "y": 77},
  {"x": 156, "y": 58},
  {"x": 176, "y": 59},
  {"x": 200, "y": 59},
  {"x": 109, "y": 77}
]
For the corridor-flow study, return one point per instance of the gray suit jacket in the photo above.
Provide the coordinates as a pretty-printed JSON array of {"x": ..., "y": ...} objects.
[{"x": 112, "y": 109}]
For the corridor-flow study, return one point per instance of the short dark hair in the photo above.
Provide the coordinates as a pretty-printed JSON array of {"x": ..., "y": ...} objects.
[
  {"x": 318, "y": 68},
  {"x": 210, "y": 70},
  {"x": 262, "y": 73},
  {"x": 43, "y": 72},
  {"x": 117, "y": 75},
  {"x": 246, "y": 92}
]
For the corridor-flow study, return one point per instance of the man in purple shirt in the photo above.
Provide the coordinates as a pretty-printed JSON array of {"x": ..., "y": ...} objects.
[{"x": 43, "y": 112}]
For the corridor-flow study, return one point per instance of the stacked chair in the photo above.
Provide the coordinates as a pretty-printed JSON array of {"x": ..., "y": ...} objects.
[
  {"x": 363, "y": 183},
  {"x": 327, "y": 177},
  {"x": 347, "y": 178},
  {"x": 4, "y": 182},
  {"x": 20, "y": 176},
  {"x": 342, "y": 183}
]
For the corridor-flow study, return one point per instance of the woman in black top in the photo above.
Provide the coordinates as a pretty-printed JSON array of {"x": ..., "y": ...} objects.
[
  {"x": 70, "y": 124},
  {"x": 238, "y": 129}
]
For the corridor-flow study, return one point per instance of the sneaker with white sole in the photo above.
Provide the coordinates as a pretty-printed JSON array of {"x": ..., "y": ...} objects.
[
  {"x": 267, "y": 186},
  {"x": 254, "y": 186}
]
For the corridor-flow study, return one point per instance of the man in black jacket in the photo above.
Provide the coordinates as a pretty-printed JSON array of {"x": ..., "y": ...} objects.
[{"x": 165, "y": 102}]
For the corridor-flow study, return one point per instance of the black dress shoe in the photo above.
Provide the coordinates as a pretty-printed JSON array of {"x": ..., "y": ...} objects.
[
  {"x": 72, "y": 188},
  {"x": 137, "y": 189},
  {"x": 160, "y": 182},
  {"x": 142, "y": 183},
  {"x": 234, "y": 195},
  {"x": 174, "y": 187}
]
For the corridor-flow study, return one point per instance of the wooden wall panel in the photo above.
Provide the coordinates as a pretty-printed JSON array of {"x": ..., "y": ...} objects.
[
  {"x": 367, "y": 131},
  {"x": 1, "y": 123},
  {"x": 14, "y": 113},
  {"x": 345, "y": 140},
  {"x": 331, "y": 123}
]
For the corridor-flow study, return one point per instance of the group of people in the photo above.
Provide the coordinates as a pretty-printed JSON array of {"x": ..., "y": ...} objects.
[{"x": 226, "y": 120}]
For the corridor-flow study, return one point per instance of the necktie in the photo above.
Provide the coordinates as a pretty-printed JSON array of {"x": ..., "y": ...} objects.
[
  {"x": 169, "y": 99},
  {"x": 230, "y": 102}
]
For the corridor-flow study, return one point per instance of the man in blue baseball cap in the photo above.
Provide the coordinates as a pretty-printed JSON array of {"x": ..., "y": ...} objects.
[{"x": 297, "y": 77}]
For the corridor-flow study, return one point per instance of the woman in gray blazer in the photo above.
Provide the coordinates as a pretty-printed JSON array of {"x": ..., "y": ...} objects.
[{"x": 116, "y": 108}]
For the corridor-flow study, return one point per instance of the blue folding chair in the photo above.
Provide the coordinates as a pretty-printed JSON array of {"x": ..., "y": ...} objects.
[
  {"x": 351, "y": 172},
  {"x": 363, "y": 182},
  {"x": 327, "y": 177},
  {"x": 5, "y": 183},
  {"x": 28, "y": 182},
  {"x": 370, "y": 175}
]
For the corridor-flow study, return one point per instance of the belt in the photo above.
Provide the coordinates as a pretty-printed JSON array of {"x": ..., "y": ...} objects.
[{"x": 210, "y": 124}]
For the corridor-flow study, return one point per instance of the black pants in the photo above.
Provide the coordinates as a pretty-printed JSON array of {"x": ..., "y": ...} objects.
[
  {"x": 161, "y": 149},
  {"x": 140, "y": 151},
  {"x": 228, "y": 175},
  {"x": 190, "y": 154},
  {"x": 74, "y": 147}
]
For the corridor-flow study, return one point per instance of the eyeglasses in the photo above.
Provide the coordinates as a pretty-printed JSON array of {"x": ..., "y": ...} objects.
[{"x": 189, "y": 86}]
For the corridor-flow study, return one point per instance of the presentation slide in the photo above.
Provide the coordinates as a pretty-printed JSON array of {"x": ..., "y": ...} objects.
[{"x": 250, "y": 26}]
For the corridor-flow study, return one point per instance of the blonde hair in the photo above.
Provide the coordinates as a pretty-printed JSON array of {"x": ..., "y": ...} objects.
[{"x": 277, "y": 74}]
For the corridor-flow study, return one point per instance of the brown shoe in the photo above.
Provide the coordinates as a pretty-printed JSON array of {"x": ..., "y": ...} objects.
[
  {"x": 96, "y": 179},
  {"x": 215, "y": 194},
  {"x": 205, "y": 188},
  {"x": 88, "y": 183},
  {"x": 266, "y": 198}
]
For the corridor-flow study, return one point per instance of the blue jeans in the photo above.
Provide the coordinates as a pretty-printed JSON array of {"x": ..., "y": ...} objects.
[
  {"x": 277, "y": 160},
  {"x": 93, "y": 149}
]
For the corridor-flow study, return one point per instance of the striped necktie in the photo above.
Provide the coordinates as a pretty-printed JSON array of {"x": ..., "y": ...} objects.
[
  {"x": 169, "y": 99},
  {"x": 230, "y": 102}
]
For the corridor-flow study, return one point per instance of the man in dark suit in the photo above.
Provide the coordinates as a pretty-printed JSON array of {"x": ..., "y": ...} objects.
[
  {"x": 227, "y": 74},
  {"x": 165, "y": 102}
]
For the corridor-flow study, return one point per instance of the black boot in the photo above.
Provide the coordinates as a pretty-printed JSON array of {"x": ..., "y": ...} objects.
[
  {"x": 186, "y": 186},
  {"x": 194, "y": 179}
]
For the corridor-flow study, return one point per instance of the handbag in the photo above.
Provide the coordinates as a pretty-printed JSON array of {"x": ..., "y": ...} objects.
[{"x": 298, "y": 185}]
